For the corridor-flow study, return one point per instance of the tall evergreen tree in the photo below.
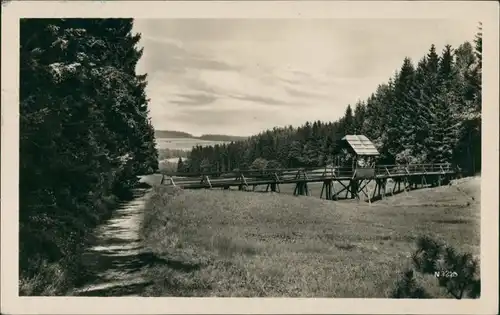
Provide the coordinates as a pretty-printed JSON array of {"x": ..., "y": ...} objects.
[
  {"x": 400, "y": 125},
  {"x": 84, "y": 136},
  {"x": 348, "y": 121},
  {"x": 359, "y": 118}
]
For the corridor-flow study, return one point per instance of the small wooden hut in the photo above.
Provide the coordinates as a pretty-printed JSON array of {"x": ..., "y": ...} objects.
[{"x": 358, "y": 152}]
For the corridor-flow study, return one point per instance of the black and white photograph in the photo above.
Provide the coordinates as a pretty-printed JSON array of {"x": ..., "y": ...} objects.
[{"x": 242, "y": 157}]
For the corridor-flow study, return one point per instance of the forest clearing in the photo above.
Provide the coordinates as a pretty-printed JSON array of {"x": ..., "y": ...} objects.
[{"x": 279, "y": 245}]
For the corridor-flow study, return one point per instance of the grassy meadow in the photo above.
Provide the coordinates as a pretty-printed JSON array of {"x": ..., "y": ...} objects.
[{"x": 231, "y": 243}]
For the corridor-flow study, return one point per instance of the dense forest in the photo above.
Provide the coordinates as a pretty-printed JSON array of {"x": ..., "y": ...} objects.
[
  {"x": 85, "y": 135},
  {"x": 426, "y": 113}
]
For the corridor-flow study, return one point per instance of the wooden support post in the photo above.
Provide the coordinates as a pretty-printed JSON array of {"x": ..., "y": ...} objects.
[
  {"x": 377, "y": 188},
  {"x": 368, "y": 195},
  {"x": 333, "y": 193},
  {"x": 354, "y": 188},
  {"x": 405, "y": 185},
  {"x": 327, "y": 188},
  {"x": 207, "y": 180},
  {"x": 383, "y": 188},
  {"x": 273, "y": 187},
  {"x": 277, "y": 182},
  {"x": 162, "y": 179},
  {"x": 298, "y": 189},
  {"x": 243, "y": 183},
  {"x": 447, "y": 179},
  {"x": 301, "y": 187}
]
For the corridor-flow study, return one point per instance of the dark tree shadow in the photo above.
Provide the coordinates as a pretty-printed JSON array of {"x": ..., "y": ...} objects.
[
  {"x": 112, "y": 263},
  {"x": 119, "y": 290}
]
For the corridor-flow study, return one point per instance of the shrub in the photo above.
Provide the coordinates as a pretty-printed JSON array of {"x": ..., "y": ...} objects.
[
  {"x": 457, "y": 273},
  {"x": 259, "y": 164}
]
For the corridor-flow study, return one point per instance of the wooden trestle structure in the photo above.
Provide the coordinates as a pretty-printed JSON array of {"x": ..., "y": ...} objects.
[
  {"x": 354, "y": 180},
  {"x": 354, "y": 183}
]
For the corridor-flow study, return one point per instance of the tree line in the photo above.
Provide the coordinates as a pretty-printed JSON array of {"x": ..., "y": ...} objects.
[
  {"x": 426, "y": 113},
  {"x": 85, "y": 135},
  {"x": 172, "y": 153}
]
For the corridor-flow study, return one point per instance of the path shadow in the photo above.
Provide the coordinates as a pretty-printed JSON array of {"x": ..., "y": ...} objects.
[
  {"x": 391, "y": 194},
  {"x": 118, "y": 290},
  {"x": 130, "y": 263},
  {"x": 109, "y": 265}
]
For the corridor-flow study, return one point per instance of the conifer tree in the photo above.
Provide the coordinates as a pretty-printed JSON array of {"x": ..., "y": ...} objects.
[
  {"x": 400, "y": 125},
  {"x": 180, "y": 166},
  {"x": 84, "y": 135},
  {"x": 348, "y": 121},
  {"x": 359, "y": 118}
]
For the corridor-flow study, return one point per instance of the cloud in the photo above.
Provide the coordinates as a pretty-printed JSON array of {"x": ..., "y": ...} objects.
[
  {"x": 244, "y": 86},
  {"x": 241, "y": 76},
  {"x": 240, "y": 121},
  {"x": 194, "y": 99},
  {"x": 260, "y": 99},
  {"x": 305, "y": 94},
  {"x": 172, "y": 55}
]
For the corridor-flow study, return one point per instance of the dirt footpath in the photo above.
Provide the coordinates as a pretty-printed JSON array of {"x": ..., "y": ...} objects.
[{"x": 115, "y": 259}]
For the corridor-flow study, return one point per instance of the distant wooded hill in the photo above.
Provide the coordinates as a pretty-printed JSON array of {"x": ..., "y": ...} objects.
[{"x": 208, "y": 137}]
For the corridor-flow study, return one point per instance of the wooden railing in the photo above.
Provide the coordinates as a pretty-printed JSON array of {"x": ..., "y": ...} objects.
[{"x": 312, "y": 174}]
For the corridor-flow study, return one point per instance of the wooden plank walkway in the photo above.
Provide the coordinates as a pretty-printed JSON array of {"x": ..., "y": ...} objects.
[{"x": 357, "y": 178}]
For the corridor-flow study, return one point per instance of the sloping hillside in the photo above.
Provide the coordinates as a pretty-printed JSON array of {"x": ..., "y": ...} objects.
[
  {"x": 172, "y": 134},
  {"x": 249, "y": 244}
]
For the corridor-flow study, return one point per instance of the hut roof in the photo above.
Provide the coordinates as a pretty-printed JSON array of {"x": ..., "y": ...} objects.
[{"x": 361, "y": 145}]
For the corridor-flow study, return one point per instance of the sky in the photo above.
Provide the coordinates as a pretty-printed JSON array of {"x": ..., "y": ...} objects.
[{"x": 243, "y": 76}]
